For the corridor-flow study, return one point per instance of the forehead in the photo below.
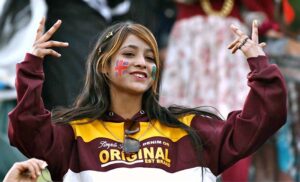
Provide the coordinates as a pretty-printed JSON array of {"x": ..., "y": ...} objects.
[{"x": 134, "y": 41}]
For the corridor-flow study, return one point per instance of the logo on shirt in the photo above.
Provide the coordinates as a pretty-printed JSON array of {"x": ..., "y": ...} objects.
[{"x": 151, "y": 152}]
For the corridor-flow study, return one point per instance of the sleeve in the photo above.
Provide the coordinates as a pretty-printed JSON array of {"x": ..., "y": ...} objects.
[
  {"x": 30, "y": 127},
  {"x": 264, "y": 112}
]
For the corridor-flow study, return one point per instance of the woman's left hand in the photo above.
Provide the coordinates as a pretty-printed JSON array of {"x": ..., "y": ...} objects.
[{"x": 249, "y": 46}]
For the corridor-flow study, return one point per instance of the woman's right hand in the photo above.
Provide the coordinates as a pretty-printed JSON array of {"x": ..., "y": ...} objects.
[{"x": 42, "y": 45}]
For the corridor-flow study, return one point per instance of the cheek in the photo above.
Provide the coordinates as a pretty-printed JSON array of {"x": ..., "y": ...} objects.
[{"x": 120, "y": 67}]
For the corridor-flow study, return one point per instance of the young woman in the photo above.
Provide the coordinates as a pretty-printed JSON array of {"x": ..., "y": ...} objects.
[{"x": 116, "y": 130}]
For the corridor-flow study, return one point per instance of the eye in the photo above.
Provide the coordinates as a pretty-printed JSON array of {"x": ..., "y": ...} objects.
[
  {"x": 128, "y": 54},
  {"x": 150, "y": 58}
]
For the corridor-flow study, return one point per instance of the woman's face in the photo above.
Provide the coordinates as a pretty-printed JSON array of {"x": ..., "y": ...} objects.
[{"x": 132, "y": 69}]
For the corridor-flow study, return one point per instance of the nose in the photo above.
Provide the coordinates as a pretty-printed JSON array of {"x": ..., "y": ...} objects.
[{"x": 140, "y": 62}]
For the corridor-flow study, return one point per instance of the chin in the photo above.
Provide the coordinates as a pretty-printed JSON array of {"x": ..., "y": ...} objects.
[
  {"x": 139, "y": 88},
  {"x": 138, "y": 92}
]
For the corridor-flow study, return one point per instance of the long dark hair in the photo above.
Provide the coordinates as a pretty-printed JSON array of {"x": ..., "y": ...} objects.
[{"x": 94, "y": 100}]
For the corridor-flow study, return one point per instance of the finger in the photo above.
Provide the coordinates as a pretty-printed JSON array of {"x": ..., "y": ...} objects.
[
  {"x": 236, "y": 30},
  {"x": 36, "y": 168},
  {"x": 40, "y": 29},
  {"x": 51, "y": 31},
  {"x": 235, "y": 48},
  {"x": 44, "y": 52},
  {"x": 42, "y": 164},
  {"x": 255, "y": 31},
  {"x": 21, "y": 166},
  {"x": 238, "y": 40},
  {"x": 53, "y": 44},
  {"x": 31, "y": 170},
  {"x": 263, "y": 44},
  {"x": 238, "y": 45},
  {"x": 51, "y": 52},
  {"x": 231, "y": 45}
]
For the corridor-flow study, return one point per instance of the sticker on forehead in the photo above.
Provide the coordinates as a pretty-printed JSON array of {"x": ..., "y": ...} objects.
[
  {"x": 121, "y": 67},
  {"x": 153, "y": 72}
]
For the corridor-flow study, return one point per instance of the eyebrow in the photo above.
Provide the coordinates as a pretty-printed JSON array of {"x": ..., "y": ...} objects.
[{"x": 134, "y": 47}]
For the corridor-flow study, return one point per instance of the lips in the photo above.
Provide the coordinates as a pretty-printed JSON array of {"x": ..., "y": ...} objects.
[{"x": 139, "y": 74}]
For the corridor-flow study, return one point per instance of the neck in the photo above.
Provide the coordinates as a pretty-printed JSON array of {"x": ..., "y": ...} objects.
[{"x": 125, "y": 105}]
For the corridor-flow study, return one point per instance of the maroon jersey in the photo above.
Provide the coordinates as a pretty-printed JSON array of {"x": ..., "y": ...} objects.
[{"x": 93, "y": 151}]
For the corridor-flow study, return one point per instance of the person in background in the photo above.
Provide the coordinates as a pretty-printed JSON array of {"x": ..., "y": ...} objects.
[
  {"x": 279, "y": 160},
  {"x": 197, "y": 45},
  {"x": 18, "y": 23}
]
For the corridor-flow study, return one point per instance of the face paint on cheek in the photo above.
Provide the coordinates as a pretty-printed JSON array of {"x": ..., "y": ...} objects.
[
  {"x": 153, "y": 72},
  {"x": 121, "y": 67}
]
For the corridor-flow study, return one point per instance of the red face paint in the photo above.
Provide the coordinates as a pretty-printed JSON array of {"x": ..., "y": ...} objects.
[{"x": 121, "y": 67}]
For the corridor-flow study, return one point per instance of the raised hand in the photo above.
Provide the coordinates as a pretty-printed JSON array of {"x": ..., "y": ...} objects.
[
  {"x": 250, "y": 47},
  {"x": 42, "y": 45}
]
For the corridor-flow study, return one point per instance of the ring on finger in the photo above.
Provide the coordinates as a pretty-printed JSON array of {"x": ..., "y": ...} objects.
[{"x": 243, "y": 43}]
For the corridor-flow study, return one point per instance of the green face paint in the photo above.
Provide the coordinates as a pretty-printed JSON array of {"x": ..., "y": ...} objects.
[{"x": 153, "y": 72}]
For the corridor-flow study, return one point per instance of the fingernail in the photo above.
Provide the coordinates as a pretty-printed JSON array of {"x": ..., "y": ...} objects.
[
  {"x": 59, "y": 55},
  {"x": 44, "y": 165},
  {"x": 67, "y": 43},
  {"x": 38, "y": 173},
  {"x": 255, "y": 22}
]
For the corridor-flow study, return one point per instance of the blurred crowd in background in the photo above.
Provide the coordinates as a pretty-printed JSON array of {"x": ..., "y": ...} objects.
[{"x": 198, "y": 69}]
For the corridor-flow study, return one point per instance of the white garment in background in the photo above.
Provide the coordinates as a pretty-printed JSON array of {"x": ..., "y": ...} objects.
[
  {"x": 199, "y": 70},
  {"x": 20, "y": 43},
  {"x": 107, "y": 12}
]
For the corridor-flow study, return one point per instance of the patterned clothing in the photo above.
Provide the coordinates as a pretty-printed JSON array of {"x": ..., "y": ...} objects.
[
  {"x": 200, "y": 70},
  {"x": 82, "y": 151}
]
